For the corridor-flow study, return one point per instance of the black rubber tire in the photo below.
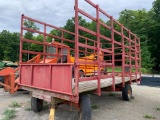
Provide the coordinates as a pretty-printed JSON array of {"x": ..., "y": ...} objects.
[
  {"x": 36, "y": 104},
  {"x": 85, "y": 107},
  {"x": 127, "y": 92}
]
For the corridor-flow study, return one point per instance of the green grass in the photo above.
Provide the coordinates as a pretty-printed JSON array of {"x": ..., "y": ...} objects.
[
  {"x": 149, "y": 116},
  {"x": 15, "y": 105},
  {"x": 28, "y": 109},
  {"x": 158, "y": 109},
  {"x": 94, "y": 107},
  {"x": 9, "y": 114},
  {"x": 146, "y": 71},
  {"x": 116, "y": 69},
  {"x": 143, "y": 70}
]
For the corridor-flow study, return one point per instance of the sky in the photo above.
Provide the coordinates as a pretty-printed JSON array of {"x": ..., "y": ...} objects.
[{"x": 57, "y": 12}]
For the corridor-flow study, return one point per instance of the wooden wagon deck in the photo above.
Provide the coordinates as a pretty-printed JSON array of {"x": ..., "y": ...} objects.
[
  {"x": 84, "y": 86},
  {"x": 92, "y": 84}
]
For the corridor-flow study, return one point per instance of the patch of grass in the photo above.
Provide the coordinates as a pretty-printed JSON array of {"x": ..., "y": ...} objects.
[
  {"x": 9, "y": 114},
  {"x": 146, "y": 71},
  {"x": 94, "y": 107},
  {"x": 15, "y": 105},
  {"x": 116, "y": 70},
  {"x": 149, "y": 116},
  {"x": 28, "y": 109},
  {"x": 158, "y": 109}
]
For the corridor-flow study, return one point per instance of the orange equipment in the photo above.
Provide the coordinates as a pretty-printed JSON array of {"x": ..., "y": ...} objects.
[{"x": 11, "y": 76}]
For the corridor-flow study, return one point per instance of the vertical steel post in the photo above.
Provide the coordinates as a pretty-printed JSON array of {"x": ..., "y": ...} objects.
[
  {"x": 21, "y": 37},
  {"x": 136, "y": 60},
  {"x": 98, "y": 50},
  {"x": 62, "y": 45},
  {"x": 21, "y": 45},
  {"x": 113, "y": 61},
  {"x": 123, "y": 56},
  {"x": 94, "y": 55},
  {"x": 76, "y": 72},
  {"x": 139, "y": 56},
  {"x": 44, "y": 46},
  {"x": 86, "y": 42},
  {"x": 130, "y": 59}
]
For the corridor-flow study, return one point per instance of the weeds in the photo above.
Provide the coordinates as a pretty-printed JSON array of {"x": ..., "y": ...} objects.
[
  {"x": 158, "y": 109},
  {"x": 149, "y": 117},
  {"x": 94, "y": 107},
  {"x": 9, "y": 114},
  {"x": 15, "y": 105},
  {"x": 28, "y": 109}
]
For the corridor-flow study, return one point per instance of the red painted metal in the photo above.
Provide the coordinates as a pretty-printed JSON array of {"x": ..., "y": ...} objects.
[
  {"x": 121, "y": 53},
  {"x": 113, "y": 54},
  {"x": 50, "y": 77},
  {"x": 76, "y": 75},
  {"x": 98, "y": 50},
  {"x": 123, "y": 57}
]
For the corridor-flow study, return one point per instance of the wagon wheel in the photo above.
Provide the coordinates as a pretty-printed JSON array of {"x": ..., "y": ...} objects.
[
  {"x": 36, "y": 104},
  {"x": 85, "y": 107},
  {"x": 127, "y": 92}
]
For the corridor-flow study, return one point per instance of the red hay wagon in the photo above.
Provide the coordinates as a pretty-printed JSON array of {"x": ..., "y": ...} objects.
[{"x": 61, "y": 82}]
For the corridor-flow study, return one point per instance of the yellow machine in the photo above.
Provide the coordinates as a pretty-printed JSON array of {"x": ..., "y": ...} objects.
[{"x": 60, "y": 53}]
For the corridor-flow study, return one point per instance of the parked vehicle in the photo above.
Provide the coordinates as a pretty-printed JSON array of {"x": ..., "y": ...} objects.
[{"x": 56, "y": 76}]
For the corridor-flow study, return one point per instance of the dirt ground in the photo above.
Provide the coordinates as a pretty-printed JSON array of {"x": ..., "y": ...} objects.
[{"x": 109, "y": 106}]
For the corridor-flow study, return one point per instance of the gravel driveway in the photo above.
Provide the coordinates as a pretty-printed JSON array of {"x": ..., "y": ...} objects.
[{"x": 109, "y": 106}]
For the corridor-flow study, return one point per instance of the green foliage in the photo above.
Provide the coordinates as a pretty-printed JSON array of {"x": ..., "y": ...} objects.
[
  {"x": 146, "y": 25},
  {"x": 146, "y": 71},
  {"x": 15, "y": 105},
  {"x": 9, "y": 114},
  {"x": 147, "y": 29},
  {"x": 95, "y": 107},
  {"x": 156, "y": 8},
  {"x": 116, "y": 70},
  {"x": 158, "y": 109},
  {"x": 149, "y": 116},
  {"x": 28, "y": 109},
  {"x": 29, "y": 35},
  {"x": 9, "y": 46}
]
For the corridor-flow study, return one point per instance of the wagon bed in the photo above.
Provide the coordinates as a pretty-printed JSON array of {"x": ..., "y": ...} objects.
[
  {"x": 90, "y": 52},
  {"x": 107, "y": 82},
  {"x": 85, "y": 86}
]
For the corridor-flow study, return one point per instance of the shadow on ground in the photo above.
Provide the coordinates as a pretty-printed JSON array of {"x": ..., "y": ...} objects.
[{"x": 151, "y": 81}]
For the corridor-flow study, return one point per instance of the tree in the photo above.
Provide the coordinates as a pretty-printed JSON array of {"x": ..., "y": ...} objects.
[
  {"x": 142, "y": 26},
  {"x": 156, "y": 8},
  {"x": 28, "y": 35},
  {"x": 9, "y": 46}
]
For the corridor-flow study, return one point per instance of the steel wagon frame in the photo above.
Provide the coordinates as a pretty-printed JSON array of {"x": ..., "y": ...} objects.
[{"x": 55, "y": 80}]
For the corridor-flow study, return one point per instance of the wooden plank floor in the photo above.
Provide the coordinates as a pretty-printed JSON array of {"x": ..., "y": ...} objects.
[{"x": 92, "y": 85}]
